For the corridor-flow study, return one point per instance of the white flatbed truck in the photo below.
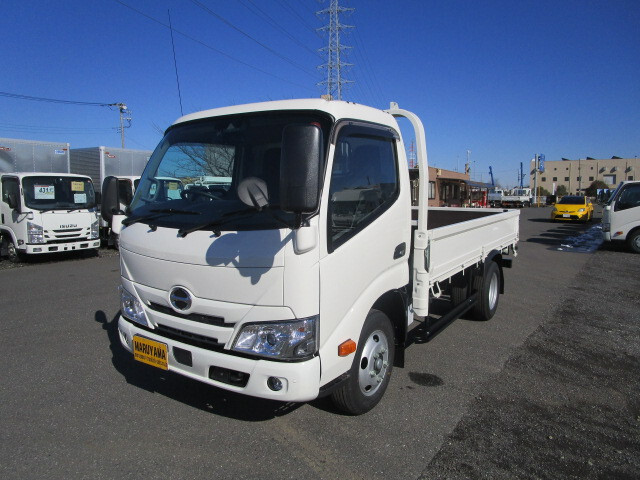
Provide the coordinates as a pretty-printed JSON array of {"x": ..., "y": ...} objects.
[
  {"x": 621, "y": 216},
  {"x": 290, "y": 285}
]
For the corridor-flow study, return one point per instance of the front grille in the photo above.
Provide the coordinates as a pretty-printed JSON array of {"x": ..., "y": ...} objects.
[
  {"x": 71, "y": 235},
  {"x": 194, "y": 317},
  {"x": 83, "y": 239},
  {"x": 189, "y": 338},
  {"x": 68, "y": 230}
]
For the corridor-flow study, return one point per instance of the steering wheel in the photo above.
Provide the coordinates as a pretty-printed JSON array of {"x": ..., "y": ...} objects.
[{"x": 195, "y": 192}]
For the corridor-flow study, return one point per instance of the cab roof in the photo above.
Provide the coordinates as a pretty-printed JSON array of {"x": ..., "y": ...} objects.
[{"x": 338, "y": 109}]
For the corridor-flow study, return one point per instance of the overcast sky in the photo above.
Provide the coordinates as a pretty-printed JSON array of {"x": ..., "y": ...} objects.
[{"x": 503, "y": 79}]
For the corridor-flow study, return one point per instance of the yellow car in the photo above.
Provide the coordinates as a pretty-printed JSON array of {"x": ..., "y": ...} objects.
[{"x": 573, "y": 207}]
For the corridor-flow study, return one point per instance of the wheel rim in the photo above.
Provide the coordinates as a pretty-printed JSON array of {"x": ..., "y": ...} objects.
[
  {"x": 493, "y": 291},
  {"x": 374, "y": 363},
  {"x": 636, "y": 242},
  {"x": 11, "y": 250}
]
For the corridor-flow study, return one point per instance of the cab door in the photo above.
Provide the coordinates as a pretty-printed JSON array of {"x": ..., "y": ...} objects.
[
  {"x": 626, "y": 209},
  {"x": 366, "y": 220},
  {"x": 10, "y": 217}
]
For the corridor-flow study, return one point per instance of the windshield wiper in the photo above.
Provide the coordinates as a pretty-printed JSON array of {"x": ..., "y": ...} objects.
[
  {"x": 157, "y": 214},
  {"x": 215, "y": 224}
]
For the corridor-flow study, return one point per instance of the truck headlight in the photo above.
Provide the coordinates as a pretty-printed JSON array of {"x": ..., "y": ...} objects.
[
  {"x": 95, "y": 232},
  {"x": 131, "y": 308},
  {"x": 35, "y": 233},
  {"x": 290, "y": 340}
]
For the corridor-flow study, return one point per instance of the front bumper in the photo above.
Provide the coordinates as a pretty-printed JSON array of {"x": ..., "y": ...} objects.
[
  {"x": 62, "y": 247},
  {"x": 300, "y": 380},
  {"x": 572, "y": 216}
]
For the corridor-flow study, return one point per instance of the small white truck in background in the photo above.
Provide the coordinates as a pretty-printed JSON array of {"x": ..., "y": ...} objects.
[
  {"x": 305, "y": 275},
  {"x": 101, "y": 162},
  {"x": 517, "y": 198},
  {"x": 494, "y": 197},
  {"x": 621, "y": 216},
  {"x": 43, "y": 208}
]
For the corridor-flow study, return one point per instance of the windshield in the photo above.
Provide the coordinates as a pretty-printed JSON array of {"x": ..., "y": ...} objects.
[
  {"x": 614, "y": 195},
  {"x": 193, "y": 175},
  {"x": 572, "y": 201},
  {"x": 58, "y": 193}
]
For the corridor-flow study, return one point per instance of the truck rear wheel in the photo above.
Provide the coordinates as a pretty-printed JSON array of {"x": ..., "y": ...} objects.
[
  {"x": 488, "y": 287},
  {"x": 371, "y": 368}
]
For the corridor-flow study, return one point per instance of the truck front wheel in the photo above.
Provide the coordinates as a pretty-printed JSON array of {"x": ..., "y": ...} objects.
[
  {"x": 15, "y": 255},
  {"x": 634, "y": 241},
  {"x": 488, "y": 287},
  {"x": 371, "y": 368}
]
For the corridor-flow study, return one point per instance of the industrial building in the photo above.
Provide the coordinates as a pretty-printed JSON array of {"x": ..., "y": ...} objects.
[{"x": 577, "y": 175}]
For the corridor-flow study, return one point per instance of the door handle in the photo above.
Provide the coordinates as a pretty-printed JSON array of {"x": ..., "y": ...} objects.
[{"x": 400, "y": 251}]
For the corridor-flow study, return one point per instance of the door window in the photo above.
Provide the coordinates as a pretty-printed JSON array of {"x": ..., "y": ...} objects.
[
  {"x": 10, "y": 185},
  {"x": 629, "y": 198},
  {"x": 364, "y": 181}
]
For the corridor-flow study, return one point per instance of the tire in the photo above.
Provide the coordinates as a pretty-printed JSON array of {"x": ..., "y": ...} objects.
[
  {"x": 15, "y": 255},
  {"x": 459, "y": 289},
  {"x": 371, "y": 368},
  {"x": 633, "y": 241},
  {"x": 488, "y": 287}
]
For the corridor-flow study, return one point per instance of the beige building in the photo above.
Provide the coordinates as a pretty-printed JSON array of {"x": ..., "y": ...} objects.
[
  {"x": 577, "y": 175},
  {"x": 449, "y": 189}
]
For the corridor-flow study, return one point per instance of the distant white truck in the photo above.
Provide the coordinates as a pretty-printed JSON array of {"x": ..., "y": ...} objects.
[
  {"x": 101, "y": 162},
  {"x": 621, "y": 216},
  {"x": 302, "y": 279},
  {"x": 494, "y": 197},
  {"x": 518, "y": 198},
  {"x": 43, "y": 208}
]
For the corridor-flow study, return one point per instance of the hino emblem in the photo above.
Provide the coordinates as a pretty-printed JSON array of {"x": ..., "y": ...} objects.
[{"x": 180, "y": 299}]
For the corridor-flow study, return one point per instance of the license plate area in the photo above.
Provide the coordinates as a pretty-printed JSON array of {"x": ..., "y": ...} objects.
[
  {"x": 151, "y": 352},
  {"x": 566, "y": 215}
]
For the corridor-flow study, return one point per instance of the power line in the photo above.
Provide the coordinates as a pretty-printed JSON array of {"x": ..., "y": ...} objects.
[
  {"x": 261, "y": 13},
  {"x": 206, "y": 45},
  {"x": 367, "y": 67},
  {"x": 301, "y": 18},
  {"x": 266, "y": 47},
  {"x": 175, "y": 63},
  {"x": 49, "y": 129},
  {"x": 55, "y": 100}
]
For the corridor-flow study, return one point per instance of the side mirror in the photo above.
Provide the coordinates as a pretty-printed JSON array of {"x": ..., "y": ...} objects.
[
  {"x": 109, "y": 198},
  {"x": 98, "y": 198},
  {"x": 14, "y": 202},
  {"x": 300, "y": 162}
]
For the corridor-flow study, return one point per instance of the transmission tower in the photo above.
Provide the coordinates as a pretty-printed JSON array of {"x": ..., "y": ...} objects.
[{"x": 334, "y": 49}]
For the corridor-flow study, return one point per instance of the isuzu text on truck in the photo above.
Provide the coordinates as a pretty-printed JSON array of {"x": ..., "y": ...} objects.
[
  {"x": 43, "y": 208},
  {"x": 302, "y": 276}
]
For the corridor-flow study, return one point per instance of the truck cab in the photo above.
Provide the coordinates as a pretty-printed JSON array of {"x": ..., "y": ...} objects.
[
  {"x": 46, "y": 213},
  {"x": 621, "y": 216}
]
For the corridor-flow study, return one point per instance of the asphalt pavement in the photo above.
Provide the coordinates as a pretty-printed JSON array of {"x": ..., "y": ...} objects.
[{"x": 546, "y": 389}]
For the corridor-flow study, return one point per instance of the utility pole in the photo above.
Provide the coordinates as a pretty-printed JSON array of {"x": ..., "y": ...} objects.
[
  {"x": 125, "y": 115},
  {"x": 535, "y": 179},
  {"x": 334, "y": 65},
  {"x": 474, "y": 167}
]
